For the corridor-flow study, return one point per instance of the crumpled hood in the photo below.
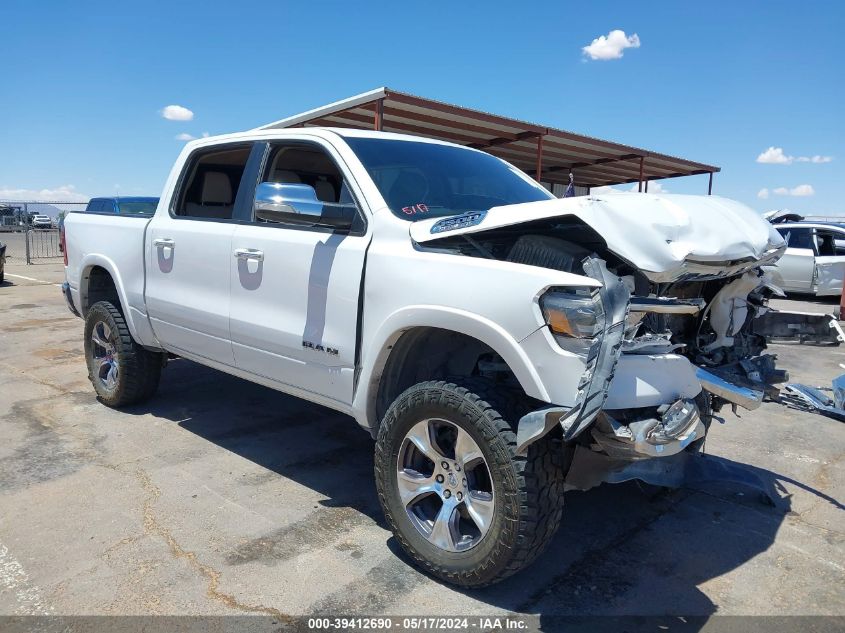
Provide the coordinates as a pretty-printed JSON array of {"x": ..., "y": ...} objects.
[{"x": 664, "y": 236}]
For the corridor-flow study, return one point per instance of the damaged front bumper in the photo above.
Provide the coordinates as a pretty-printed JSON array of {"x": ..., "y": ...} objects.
[
  {"x": 595, "y": 383},
  {"x": 593, "y": 387},
  {"x": 656, "y": 409},
  {"x": 671, "y": 430},
  {"x": 744, "y": 397}
]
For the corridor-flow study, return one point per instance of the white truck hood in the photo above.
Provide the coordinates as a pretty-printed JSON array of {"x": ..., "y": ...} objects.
[{"x": 665, "y": 236}]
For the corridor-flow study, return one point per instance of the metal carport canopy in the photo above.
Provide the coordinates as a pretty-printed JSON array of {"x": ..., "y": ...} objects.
[{"x": 546, "y": 153}]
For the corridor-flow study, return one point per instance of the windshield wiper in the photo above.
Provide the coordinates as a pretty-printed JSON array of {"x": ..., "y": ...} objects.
[{"x": 478, "y": 247}]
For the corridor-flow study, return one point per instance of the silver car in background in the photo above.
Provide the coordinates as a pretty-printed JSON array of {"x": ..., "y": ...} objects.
[
  {"x": 814, "y": 261},
  {"x": 40, "y": 221}
]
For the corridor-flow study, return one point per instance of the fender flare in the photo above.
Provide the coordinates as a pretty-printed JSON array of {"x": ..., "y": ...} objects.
[
  {"x": 452, "y": 319},
  {"x": 98, "y": 260}
]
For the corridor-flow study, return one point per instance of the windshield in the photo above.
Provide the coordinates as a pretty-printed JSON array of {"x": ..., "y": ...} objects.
[
  {"x": 421, "y": 180},
  {"x": 137, "y": 207}
]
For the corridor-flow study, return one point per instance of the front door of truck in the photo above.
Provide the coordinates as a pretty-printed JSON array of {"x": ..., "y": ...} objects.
[
  {"x": 189, "y": 251},
  {"x": 295, "y": 289}
]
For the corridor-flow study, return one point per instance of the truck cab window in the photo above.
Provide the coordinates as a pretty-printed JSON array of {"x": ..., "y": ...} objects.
[
  {"x": 211, "y": 183},
  {"x": 308, "y": 166},
  {"x": 300, "y": 163}
]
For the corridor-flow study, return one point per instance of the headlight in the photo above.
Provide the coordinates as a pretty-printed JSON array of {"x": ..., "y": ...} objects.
[{"x": 576, "y": 318}]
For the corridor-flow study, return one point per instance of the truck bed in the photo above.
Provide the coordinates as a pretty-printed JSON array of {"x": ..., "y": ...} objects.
[{"x": 115, "y": 243}]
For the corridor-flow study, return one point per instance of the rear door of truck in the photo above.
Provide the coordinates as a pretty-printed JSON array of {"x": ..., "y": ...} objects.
[{"x": 189, "y": 254}]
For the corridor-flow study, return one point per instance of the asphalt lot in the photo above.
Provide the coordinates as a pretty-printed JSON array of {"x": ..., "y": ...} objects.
[
  {"x": 15, "y": 247},
  {"x": 223, "y": 497}
]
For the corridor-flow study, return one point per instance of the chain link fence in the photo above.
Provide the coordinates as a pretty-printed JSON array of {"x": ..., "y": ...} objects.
[
  {"x": 42, "y": 244},
  {"x": 30, "y": 228}
]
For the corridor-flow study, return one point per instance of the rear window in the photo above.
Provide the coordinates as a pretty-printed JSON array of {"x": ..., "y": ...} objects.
[{"x": 137, "y": 207}]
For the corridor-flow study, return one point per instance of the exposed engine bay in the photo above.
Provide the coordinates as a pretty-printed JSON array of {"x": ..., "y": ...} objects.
[
  {"x": 698, "y": 325},
  {"x": 708, "y": 318}
]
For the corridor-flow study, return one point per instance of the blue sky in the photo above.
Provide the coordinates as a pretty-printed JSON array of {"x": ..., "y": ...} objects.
[{"x": 717, "y": 82}]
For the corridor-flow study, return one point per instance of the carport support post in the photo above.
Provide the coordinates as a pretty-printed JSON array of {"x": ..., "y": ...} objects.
[
  {"x": 640, "y": 188},
  {"x": 539, "y": 157},
  {"x": 710, "y": 185},
  {"x": 378, "y": 119}
]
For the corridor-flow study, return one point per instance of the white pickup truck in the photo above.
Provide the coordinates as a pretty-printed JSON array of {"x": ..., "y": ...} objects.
[{"x": 499, "y": 344}]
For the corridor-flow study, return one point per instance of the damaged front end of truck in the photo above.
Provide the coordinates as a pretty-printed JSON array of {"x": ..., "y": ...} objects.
[
  {"x": 668, "y": 338},
  {"x": 669, "y": 360}
]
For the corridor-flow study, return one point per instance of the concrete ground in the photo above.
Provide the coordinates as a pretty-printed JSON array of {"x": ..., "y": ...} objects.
[
  {"x": 14, "y": 242},
  {"x": 223, "y": 497},
  {"x": 44, "y": 243}
]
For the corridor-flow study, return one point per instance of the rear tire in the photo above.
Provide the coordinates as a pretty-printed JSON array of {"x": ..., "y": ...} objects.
[
  {"x": 121, "y": 371},
  {"x": 522, "y": 499}
]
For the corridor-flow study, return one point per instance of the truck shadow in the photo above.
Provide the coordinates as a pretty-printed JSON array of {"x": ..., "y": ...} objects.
[{"x": 622, "y": 550}]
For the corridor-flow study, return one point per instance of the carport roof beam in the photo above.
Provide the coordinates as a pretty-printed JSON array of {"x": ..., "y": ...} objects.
[{"x": 534, "y": 148}]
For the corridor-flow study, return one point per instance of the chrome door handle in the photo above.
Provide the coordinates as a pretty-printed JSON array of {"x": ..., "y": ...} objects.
[
  {"x": 163, "y": 242},
  {"x": 249, "y": 253}
]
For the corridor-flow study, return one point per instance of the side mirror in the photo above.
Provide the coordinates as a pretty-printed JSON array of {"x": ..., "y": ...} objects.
[{"x": 298, "y": 204}]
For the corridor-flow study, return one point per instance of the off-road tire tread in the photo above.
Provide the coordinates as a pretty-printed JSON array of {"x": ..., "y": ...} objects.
[
  {"x": 539, "y": 475},
  {"x": 140, "y": 369}
]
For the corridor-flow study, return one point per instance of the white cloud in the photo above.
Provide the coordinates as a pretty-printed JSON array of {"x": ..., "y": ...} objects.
[
  {"x": 610, "y": 46},
  {"x": 176, "y": 113},
  {"x": 801, "y": 191},
  {"x": 763, "y": 193},
  {"x": 815, "y": 159},
  {"x": 776, "y": 156},
  {"x": 62, "y": 193},
  {"x": 653, "y": 187},
  {"x": 605, "y": 189},
  {"x": 184, "y": 136}
]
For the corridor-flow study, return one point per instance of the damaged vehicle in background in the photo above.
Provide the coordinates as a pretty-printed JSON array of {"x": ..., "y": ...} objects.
[
  {"x": 499, "y": 344},
  {"x": 814, "y": 261}
]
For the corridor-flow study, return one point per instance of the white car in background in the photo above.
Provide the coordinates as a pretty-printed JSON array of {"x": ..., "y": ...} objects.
[
  {"x": 814, "y": 261},
  {"x": 42, "y": 222}
]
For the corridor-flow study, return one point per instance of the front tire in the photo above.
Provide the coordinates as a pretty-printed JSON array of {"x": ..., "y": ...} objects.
[
  {"x": 458, "y": 499},
  {"x": 121, "y": 371}
]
